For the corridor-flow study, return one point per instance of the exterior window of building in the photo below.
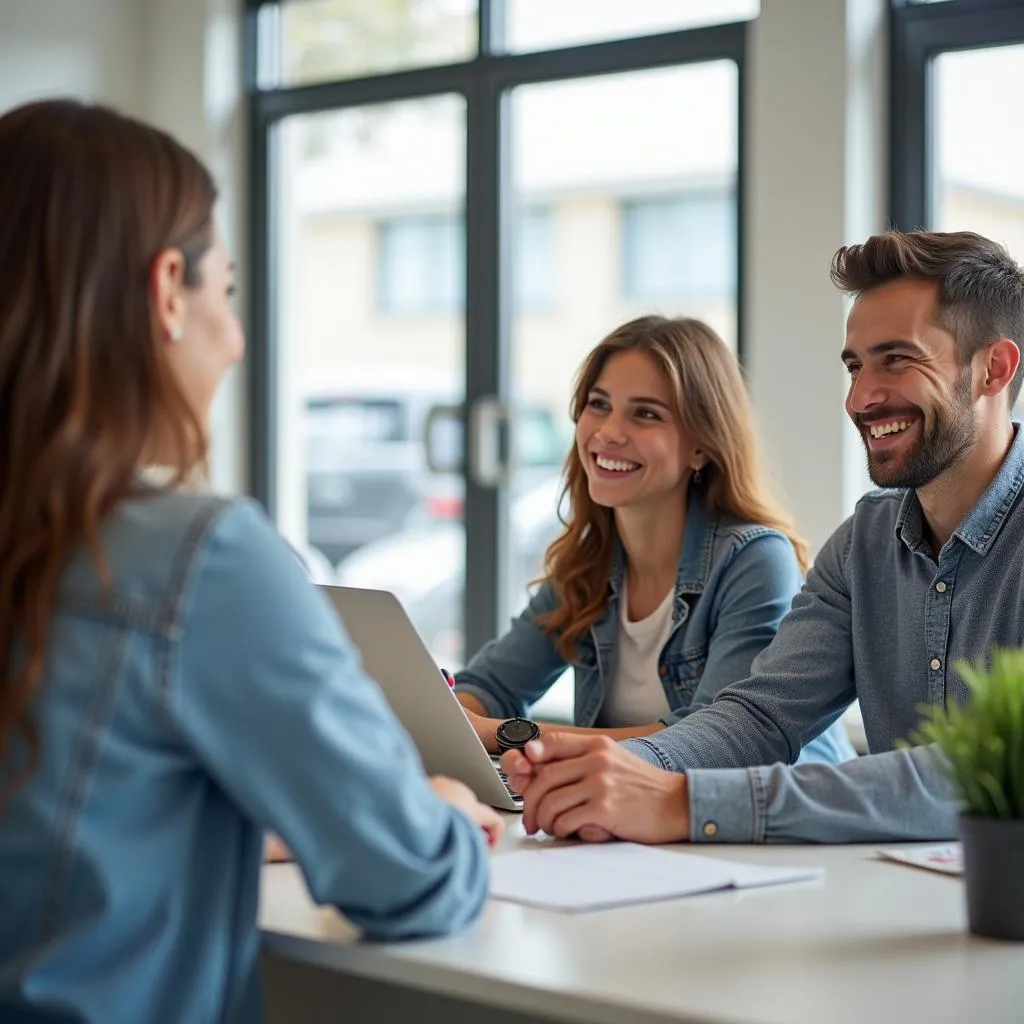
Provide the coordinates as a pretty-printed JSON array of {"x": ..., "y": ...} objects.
[
  {"x": 422, "y": 260},
  {"x": 421, "y": 264},
  {"x": 534, "y": 283},
  {"x": 679, "y": 247}
]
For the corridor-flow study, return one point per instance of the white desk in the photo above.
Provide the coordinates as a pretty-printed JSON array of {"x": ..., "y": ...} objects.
[{"x": 870, "y": 942}]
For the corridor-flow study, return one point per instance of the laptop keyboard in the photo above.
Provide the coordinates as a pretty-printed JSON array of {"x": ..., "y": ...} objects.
[{"x": 504, "y": 778}]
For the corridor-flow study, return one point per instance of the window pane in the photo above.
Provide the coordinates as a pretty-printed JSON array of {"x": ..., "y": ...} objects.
[
  {"x": 421, "y": 264},
  {"x": 371, "y": 337},
  {"x": 641, "y": 212},
  {"x": 546, "y": 24},
  {"x": 977, "y": 181},
  {"x": 533, "y": 280},
  {"x": 679, "y": 248},
  {"x": 329, "y": 39}
]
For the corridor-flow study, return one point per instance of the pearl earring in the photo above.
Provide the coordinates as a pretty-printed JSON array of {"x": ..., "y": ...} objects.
[{"x": 176, "y": 332}]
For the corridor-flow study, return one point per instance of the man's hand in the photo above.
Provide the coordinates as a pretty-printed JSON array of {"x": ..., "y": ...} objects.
[
  {"x": 573, "y": 783},
  {"x": 462, "y": 797}
]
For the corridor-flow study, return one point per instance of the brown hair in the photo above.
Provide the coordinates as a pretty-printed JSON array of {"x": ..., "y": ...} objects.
[
  {"x": 713, "y": 408},
  {"x": 88, "y": 200},
  {"x": 981, "y": 288}
]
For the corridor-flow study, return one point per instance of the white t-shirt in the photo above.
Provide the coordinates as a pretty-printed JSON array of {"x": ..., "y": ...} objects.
[{"x": 636, "y": 696}]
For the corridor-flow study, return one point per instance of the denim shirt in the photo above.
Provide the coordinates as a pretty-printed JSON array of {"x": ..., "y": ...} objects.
[
  {"x": 212, "y": 695},
  {"x": 734, "y": 583},
  {"x": 880, "y": 619}
]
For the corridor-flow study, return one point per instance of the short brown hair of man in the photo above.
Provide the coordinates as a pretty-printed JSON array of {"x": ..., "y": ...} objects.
[{"x": 981, "y": 287}]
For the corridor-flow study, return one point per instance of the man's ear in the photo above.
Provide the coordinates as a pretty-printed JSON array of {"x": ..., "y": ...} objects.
[
  {"x": 167, "y": 292},
  {"x": 1002, "y": 358}
]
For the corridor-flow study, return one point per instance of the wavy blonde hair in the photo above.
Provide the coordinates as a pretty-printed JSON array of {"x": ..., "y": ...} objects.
[{"x": 712, "y": 407}]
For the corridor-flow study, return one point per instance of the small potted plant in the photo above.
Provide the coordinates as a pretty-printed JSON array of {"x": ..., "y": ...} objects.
[{"x": 983, "y": 741}]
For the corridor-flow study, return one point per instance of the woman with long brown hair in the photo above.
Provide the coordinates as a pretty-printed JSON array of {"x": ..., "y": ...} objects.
[
  {"x": 170, "y": 682},
  {"x": 675, "y": 566}
]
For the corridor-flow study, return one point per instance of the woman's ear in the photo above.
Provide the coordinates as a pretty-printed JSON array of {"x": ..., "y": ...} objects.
[{"x": 167, "y": 292}]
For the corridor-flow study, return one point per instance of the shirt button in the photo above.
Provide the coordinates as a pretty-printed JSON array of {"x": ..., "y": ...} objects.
[
  {"x": 710, "y": 829},
  {"x": 936, "y": 664},
  {"x": 940, "y": 587}
]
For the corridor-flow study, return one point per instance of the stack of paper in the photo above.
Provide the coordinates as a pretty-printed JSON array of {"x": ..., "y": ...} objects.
[{"x": 575, "y": 878}]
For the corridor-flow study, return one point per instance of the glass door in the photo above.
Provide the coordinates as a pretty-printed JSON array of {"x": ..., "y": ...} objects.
[
  {"x": 633, "y": 212},
  {"x": 371, "y": 339},
  {"x": 452, "y": 200}
]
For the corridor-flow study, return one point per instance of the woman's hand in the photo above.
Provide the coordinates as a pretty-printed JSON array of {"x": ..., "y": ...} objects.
[
  {"x": 485, "y": 728},
  {"x": 275, "y": 852},
  {"x": 462, "y": 797}
]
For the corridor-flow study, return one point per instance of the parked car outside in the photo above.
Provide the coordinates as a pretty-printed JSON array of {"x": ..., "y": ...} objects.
[
  {"x": 366, "y": 460},
  {"x": 424, "y": 567}
]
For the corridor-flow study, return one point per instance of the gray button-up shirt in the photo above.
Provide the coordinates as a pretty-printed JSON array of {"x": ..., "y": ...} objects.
[{"x": 879, "y": 619}]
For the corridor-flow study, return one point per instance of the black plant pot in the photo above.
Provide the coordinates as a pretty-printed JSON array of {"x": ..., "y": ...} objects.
[{"x": 994, "y": 873}]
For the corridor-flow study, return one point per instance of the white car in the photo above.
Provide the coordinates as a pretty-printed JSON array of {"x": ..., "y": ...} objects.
[{"x": 424, "y": 567}]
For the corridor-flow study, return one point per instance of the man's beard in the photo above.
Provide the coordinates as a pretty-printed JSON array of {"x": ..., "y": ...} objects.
[{"x": 953, "y": 431}]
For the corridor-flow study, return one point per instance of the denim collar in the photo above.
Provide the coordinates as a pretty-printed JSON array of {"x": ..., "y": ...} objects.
[
  {"x": 980, "y": 527},
  {"x": 695, "y": 558}
]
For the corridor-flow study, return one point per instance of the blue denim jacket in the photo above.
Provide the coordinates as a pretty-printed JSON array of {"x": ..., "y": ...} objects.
[
  {"x": 734, "y": 583},
  {"x": 883, "y": 619},
  {"x": 213, "y": 695}
]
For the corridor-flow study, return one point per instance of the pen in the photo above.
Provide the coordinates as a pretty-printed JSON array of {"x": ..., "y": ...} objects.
[{"x": 448, "y": 678}]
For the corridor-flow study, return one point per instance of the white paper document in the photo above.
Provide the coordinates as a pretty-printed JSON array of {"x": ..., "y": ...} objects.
[
  {"x": 948, "y": 858},
  {"x": 595, "y": 877}
]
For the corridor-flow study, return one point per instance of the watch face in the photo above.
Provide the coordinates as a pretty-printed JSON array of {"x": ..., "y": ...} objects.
[{"x": 518, "y": 730}]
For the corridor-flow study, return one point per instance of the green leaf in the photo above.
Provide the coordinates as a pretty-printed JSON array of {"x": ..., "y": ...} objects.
[{"x": 983, "y": 739}]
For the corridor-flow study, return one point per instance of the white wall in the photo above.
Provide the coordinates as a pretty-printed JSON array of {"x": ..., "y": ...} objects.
[
  {"x": 814, "y": 181},
  {"x": 176, "y": 63},
  {"x": 192, "y": 79},
  {"x": 72, "y": 48}
]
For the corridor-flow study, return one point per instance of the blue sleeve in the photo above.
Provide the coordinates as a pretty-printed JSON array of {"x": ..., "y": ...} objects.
[
  {"x": 801, "y": 681},
  {"x": 755, "y": 591},
  {"x": 895, "y": 796},
  {"x": 754, "y": 594},
  {"x": 270, "y": 694},
  {"x": 508, "y": 674}
]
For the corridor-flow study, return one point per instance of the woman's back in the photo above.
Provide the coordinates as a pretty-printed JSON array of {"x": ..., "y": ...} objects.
[
  {"x": 170, "y": 683},
  {"x": 211, "y": 693}
]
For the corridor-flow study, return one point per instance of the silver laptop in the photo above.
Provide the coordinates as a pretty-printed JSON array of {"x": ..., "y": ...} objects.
[{"x": 397, "y": 659}]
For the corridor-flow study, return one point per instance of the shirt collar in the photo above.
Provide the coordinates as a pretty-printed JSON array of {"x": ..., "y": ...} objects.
[
  {"x": 695, "y": 558},
  {"x": 980, "y": 527}
]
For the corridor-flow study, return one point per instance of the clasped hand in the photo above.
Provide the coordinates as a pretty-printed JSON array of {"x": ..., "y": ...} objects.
[{"x": 591, "y": 787}]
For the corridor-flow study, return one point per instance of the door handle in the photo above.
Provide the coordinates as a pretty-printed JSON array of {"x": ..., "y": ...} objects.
[
  {"x": 437, "y": 416},
  {"x": 489, "y": 420}
]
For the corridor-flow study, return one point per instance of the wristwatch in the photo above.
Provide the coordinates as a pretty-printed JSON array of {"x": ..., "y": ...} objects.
[{"x": 515, "y": 733}]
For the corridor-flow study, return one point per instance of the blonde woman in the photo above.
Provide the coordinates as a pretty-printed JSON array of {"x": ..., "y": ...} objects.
[{"x": 675, "y": 566}]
